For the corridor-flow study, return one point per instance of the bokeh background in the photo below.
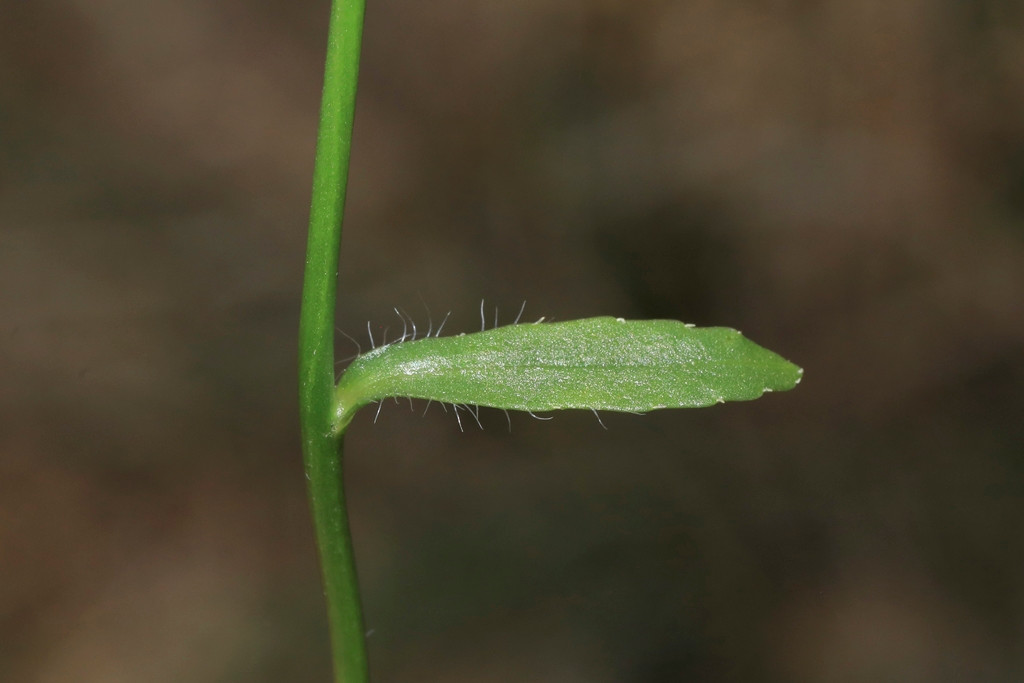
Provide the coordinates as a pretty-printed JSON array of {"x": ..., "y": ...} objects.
[{"x": 843, "y": 181}]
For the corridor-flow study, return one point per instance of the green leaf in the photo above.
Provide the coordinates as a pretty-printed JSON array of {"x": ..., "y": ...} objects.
[{"x": 596, "y": 363}]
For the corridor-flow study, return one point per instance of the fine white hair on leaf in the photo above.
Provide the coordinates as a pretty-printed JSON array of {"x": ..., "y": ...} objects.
[
  {"x": 520, "y": 314},
  {"x": 598, "y": 419},
  {"x": 405, "y": 327},
  {"x": 441, "y": 326},
  {"x": 475, "y": 414},
  {"x": 412, "y": 323},
  {"x": 359, "y": 348}
]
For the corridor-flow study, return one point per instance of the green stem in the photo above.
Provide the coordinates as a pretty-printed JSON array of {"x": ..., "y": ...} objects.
[{"x": 321, "y": 440}]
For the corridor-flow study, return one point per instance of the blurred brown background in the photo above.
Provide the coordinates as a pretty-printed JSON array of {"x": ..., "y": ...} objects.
[{"x": 843, "y": 181}]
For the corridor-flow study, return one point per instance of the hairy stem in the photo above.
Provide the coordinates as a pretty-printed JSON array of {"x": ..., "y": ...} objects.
[{"x": 321, "y": 442}]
